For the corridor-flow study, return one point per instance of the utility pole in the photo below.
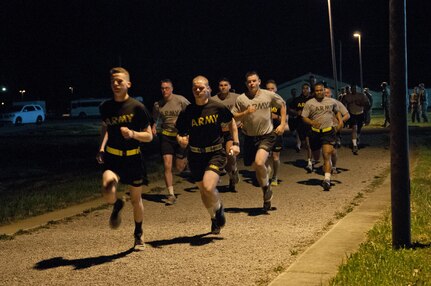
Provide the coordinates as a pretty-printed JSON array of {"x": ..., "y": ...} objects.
[{"x": 400, "y": 175}]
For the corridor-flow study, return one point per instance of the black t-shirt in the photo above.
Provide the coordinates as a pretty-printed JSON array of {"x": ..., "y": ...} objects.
[
  {"x": 203, "y": 123},
  {"x": 299, "y": 102},
  {"x": 129, "y": 113}
]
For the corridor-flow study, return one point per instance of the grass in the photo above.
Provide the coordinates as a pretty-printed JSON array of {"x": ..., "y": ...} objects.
[{"x": 377, "y": 262}]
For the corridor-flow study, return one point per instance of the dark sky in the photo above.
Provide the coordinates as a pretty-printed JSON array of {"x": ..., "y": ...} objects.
[{"x": 48, "y": 45}]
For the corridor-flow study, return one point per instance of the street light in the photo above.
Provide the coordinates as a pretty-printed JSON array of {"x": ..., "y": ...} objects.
[
  {"x": 334, "y": 63},
  {"x": 22, "y": 91},
  {"x": 358, "y": 35},
  {"x": 71, "y": 90}
]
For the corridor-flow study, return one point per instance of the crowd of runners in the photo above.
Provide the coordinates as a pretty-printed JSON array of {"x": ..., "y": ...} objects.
[{"x": 206, "y": 136}]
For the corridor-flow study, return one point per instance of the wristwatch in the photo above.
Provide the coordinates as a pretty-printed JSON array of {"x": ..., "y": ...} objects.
[{"x": 235, "y": 143}]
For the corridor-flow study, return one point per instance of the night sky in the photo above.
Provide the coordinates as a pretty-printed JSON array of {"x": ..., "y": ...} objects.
[{"x": 47, "y": 46}]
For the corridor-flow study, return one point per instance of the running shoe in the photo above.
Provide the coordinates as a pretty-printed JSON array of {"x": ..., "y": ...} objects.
[
  {"x": 139, "y": 243},
  {"x": 218, "y": 221},
  {"x": 267, "y": 197},
  {"x": 172, "y": 199},
  {"x": 274, "y": 182},
  {"x": 309, "y": 168},
  {"x": 232, "y": 186},
  {"x": 334, "y": 170},
  {"x": 115, "y": 219},
  {"x": 326, "y": 184},
  {"x": 355, "y": 150}
]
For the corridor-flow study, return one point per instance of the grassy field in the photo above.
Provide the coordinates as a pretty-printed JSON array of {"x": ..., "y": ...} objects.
[
  {"x": 376, "y": 262},
  {"x": 51, "y": 167}
]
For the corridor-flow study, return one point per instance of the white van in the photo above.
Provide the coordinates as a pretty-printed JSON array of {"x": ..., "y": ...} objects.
[{"x": 83, "y": 108}]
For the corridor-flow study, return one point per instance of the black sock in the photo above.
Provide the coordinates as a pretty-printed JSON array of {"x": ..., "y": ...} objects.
[{"x": 138, "y": 228}]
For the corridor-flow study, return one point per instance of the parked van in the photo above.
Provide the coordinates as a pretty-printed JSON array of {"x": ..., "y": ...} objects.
[{"x": 83, "y": 108}]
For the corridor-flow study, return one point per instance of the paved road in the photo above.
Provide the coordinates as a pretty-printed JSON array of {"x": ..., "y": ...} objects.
[{"x": 252, "y": 249}]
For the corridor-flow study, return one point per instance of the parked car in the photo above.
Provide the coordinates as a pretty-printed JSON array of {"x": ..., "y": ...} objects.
[{"x": 20, "y": 114}]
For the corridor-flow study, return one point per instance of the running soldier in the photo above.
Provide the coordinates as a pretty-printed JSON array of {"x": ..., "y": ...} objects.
[
  {"x": 319, "y": 113},
  {"x": 228, "y": 99},
  {"x": 301, "y": 128},
  {"x": 423, "y": 102},
  {"x": 356, "y": 104},
  {"x": 253, "y": 108},
  {"x": 414, "y": 105},
  {"x": 200, "y": 127},
  {"x": 344, "y": 117},
  {"x": 125, "y": 123},
  {"x": 385, "y": 103},
  {"x": 274, "y": 159},
  {"x": 165, "y": 113}
]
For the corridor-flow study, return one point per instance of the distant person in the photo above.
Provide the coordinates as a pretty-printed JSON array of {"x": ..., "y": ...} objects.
[
  {"x": 301, "y": 128},
  {"x": 356, "y": 103},
  {"x": 200, "y": 127},
  {"x": 414, "y": 105},
  {"x": 125, "y": 123},
  {"x": 253, "y": 108},
  {"x": 165, "y": 113},
  {"x": 368, "y": 111},
  {"x": 293, "y": 93},
  {"x": 423, "y": 102},
  {"x": 274, "y": 159},
  {"x": 319, "y": 112},
  {"x": 344, "y": 117},
  {"x": 228, "y": 99},
  {"x": 385, "y": 103},
  {"x": 312, "y": 80}
]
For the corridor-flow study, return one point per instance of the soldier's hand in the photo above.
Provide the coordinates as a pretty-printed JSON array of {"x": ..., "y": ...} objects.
[
  {"x": 126, "y": 132},
  {"x": 99, "y": 157}
]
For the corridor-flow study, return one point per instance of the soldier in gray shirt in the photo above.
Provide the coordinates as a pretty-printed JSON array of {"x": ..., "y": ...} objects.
[
  {"x": 165, "y": 113},
  {"x": 356, "y": 103},
  {"x": 319, "y": 113},
  {"x": 253, "y": 109},
  {"x": 228, "y": 99}
]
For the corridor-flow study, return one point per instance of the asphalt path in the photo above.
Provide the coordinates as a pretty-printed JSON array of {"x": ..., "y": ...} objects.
[{"x": 252, "y": 249}]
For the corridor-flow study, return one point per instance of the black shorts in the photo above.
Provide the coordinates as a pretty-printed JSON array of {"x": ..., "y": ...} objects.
[
  {"x": 128, "y": 168},
  {"x": 169, "y": 146},
  {"x": 317, "y": 139},
  {"x": 278, "y": 145},
  {"x": 356, "y": 119},
  {"x": 302, "y": 128},
  {"x": 199, "y": 163},
  {"x": 254, "y": 143}
]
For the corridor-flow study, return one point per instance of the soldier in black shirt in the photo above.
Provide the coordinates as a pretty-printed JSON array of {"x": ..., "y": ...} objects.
[
  {"x": 125, "y": 123},
  {"x": 200, "y": 127}
]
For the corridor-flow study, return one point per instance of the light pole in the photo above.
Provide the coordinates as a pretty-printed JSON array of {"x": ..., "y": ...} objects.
[
  {"x": 22, "y": 91},
  {"x": 71, "y": 90},
  {"x": 358, "y": 35},
  {"x": 334, "y": 63}
]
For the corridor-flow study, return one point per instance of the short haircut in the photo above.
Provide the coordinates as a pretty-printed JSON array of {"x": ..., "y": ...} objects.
[
  {"x": 270, "y": 81},
  {"x": 166, "y": 80},
  {"x": 224, "y": 79},
  {"x": 305, "y": 84},
  {"x": 320, "y": 83},
  {"x": 250, "y": 73},
  {"x": 119, "y": 70}
]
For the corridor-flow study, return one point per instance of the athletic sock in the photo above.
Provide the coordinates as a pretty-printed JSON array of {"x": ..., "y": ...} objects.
[
  {"x": 138, "y": 228},
  {"x": 171, "y": 190},
  {"x": 327, "y": 176},
  {"x": 354, "y": 141},
  {"x": 276, "y": 167}
]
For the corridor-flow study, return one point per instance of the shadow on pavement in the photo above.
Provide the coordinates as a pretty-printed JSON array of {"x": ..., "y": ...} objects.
[
  {"x": 154, "y": 198},
  {"x": 249, "y": 177},
  {"x": 197, "y": 240},
  {"x": 225, "y": 189},
  {"x": 81, "y": 263},
  {"x": 249, "y": 211},
  {"x": 191, "y": 189}
]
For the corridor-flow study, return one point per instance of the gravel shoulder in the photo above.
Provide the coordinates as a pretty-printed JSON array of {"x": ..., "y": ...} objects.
[{"x": 252, "y": 249}]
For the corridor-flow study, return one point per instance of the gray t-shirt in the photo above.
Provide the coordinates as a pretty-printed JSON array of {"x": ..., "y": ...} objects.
[
  {"x": 322, "y": 112},
  {"x": 259, "y": 122},
  {"x": 165, "y": 113},
  {"x": 229, "y": 100}
]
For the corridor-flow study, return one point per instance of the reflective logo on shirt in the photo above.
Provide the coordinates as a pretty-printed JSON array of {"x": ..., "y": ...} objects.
[
  {"x": 209, "y": 119},
  {"x": 115, "y": 120}
]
